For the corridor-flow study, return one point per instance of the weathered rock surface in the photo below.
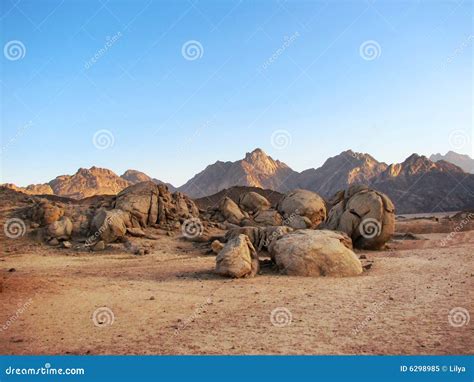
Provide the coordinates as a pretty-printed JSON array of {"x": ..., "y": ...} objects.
[
  {"x": 253, "y": 202},
  {"x": 366, "y": 215},
  {"x": 149, "y": 203},
  {"x": 268, "y": 217},
  {"x": 60, "y": 229},
  {"x": 109, "y": 225},
  {"x": 238, "y": 258},
  {"x": 315, "y": 253},
  {"x": 302, "y": 203},
  {"x": 262, "y": 238}
]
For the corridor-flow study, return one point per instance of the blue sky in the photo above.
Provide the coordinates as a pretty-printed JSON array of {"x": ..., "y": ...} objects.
[{"x": 290, "y": 77}]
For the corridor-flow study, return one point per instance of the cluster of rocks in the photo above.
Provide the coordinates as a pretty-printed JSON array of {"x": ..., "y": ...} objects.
[
  {"x": 297, "y": 209},
  {"x": 302, "y": 234},
  {"x": 308, "y": 237},
  {"x": 108, "y": 220}
]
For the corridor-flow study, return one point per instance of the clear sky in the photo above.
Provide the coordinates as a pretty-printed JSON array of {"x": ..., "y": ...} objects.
[{"x": 178, "y": 85}]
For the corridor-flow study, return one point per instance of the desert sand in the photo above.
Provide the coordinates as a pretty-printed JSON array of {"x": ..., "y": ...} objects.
[{"x": 171, "y": 302}]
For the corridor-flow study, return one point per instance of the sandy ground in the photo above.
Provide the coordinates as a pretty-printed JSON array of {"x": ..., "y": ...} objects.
[{"x": 170, "y": 302}]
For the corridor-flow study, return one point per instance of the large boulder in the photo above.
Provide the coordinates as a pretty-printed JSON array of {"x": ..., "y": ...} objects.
[
  {"x": 109, "y": 225},
  {"x": 231, "y": 211},
  {"x": 262, "y": 238},
  {"x": 253, "y": 202},
  {"x": 366, "y": 215},
  {"x": 268, "y": 217},
  {"x": 238, "y": 258},
  {"x": 297, "y": 205},
  {"x": 60, "y": 229},
  {"x": 46, "y": 212},
  {"x": 315, "y": 253}
]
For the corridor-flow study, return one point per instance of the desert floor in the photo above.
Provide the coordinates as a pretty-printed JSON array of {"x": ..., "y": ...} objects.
[{"x": 170, "y": 302}]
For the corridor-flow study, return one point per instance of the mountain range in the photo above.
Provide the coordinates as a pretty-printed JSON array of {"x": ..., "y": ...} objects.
[
  {"x": 418, "y": 184},
  {"x": 462, "y": 160}
]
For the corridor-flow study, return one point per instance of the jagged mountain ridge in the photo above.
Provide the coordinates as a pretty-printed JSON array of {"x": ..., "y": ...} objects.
[
  {"x": 461, "y": 160},
  {"x": 256, "y": 169},
  {"x": 416, "y": 185}
]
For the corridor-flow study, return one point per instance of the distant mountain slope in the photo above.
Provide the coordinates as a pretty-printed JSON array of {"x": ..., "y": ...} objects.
[
  {"x": 88, "y": 182},
  {"x": 32, "y": 189},
  {"x": 461, "y": 160},
  {"x": 257, "y": 169},
  {"x": 341, "y": 171},
  {"x": 421, "y": 185}
]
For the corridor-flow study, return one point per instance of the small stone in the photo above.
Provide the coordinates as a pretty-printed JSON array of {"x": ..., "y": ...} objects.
[
  {"x": 99, "y": 246},
  {"x": 216, "y": 246},
  {"x": 362, "y": 257},
  {"x": 34, "y": 225},
  {"x": 169, "y": 233},
  {"x": 12, "y": 270},
  {"x": 66, "y": 244},
  {"x": 390, "y": 298},
  {"x": 53, "y": 241},
  {"x": 140, "y": 252},
  {"x": 152, "y": 298}
]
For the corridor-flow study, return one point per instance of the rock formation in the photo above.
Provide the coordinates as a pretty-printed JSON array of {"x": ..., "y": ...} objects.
[
  {"x": 366, "y": 215},
  {"x": 316, "y": 253}
]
